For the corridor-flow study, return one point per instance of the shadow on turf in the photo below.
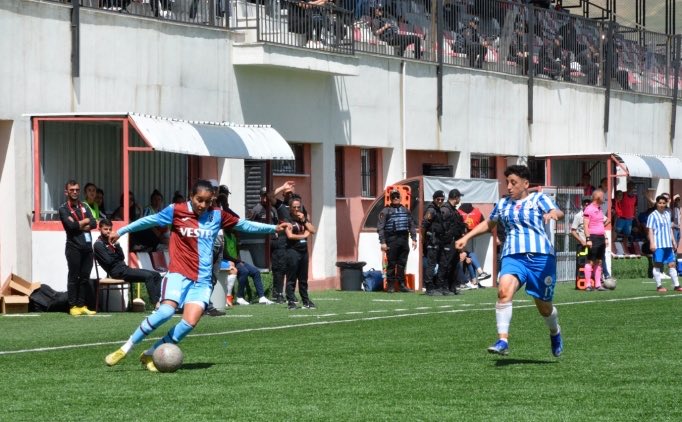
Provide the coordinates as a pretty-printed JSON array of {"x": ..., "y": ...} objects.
[
  {"x": 506, "y": 362},
  {"x": 193, "y": 366}
]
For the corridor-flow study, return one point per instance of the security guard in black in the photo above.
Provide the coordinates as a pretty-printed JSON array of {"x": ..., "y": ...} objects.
[
  {"x": 394, "y": 226},
  {"x": 431, "y": 227}
]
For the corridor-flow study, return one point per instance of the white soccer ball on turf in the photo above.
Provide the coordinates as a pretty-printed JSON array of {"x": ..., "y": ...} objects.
[
  {"x": 167, "y": 357},
  {"x": 610, "y": 283}
]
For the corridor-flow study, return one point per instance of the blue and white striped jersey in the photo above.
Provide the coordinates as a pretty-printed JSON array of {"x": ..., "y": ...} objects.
[
  {"x": 659, "y": 222},
  {"x": 523, "y": 223}
]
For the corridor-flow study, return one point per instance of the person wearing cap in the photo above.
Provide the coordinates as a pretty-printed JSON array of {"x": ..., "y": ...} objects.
[
  {"x": 265, "y": 213},
  {"x": 594, "y": 226},
  {"x": 474, "y": 45},
  {"x": 431, "y": 225},
  {"x": 394, "y": 227},
  {"x": 452, "y": 229},
  {"x": 528, "y": 256}
]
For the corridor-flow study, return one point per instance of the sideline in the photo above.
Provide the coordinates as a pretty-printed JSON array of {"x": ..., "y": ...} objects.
[{"x": 321, "y": 323}]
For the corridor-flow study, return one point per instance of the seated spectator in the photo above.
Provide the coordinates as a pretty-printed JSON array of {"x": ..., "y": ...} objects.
[
  {"x": 386, "y": 29},
  {"x": 111, "y": 259},
  {"x": 474, "y": 45},
  {"x": 155, "y": 205},
  {"x": 589, "y": 60},
  {"x": 555, "y": 61},
  {"x": 90, "y": 201},
  {"x": 99, "y": 200},
  {"x": 178, "y": 198},
  {"x": 586, "y": 184},
  {"x": 471, "y": 270},
  {"x": 626, "y": 208},
  {"x": 134, "y": 209},
  {"x": 621, "y": 75}
]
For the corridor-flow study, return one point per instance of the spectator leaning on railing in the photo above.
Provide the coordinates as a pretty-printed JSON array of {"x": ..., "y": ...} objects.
[{"x": 386, "y": 29}]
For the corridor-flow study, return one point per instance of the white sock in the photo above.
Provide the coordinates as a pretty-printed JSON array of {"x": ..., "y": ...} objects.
[
  {"x": 657, "y": 276},
  {"x": 503, "y": 315},
  {"x": 127, "y": 346},
  {"x": 673, "y": 275},
  {"x": 552, "y": 321},
  {"x": 230, "y": 284}
]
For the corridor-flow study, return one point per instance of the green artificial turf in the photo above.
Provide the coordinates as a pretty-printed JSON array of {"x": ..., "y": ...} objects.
[{"x": 361, "y": 357}]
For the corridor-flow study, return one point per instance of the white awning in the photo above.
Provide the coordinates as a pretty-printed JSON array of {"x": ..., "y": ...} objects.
[
  {"x": 651, "y": 166},
  {"x": 210, "y": 139},
  {"x": 474, "y": 191}
]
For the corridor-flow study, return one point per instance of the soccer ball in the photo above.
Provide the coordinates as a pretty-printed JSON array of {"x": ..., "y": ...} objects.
[
  {"x": 167, "y": 357},
  {"x": 610, "y": 283}
]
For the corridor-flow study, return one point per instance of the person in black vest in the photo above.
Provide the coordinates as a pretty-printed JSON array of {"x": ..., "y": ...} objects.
[
  {"x": 394, "y": 227},
  {"x": 77, "y": 221},
  {"x": 431, "y": 225},
  {"x": 452, "y": 228},
  {"x": 111, "y": 259}
]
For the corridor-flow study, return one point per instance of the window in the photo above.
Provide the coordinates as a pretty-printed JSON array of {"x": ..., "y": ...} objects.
[
  {"x": 368, "y": 172},
  {"x": 537, "y": 171},
  {"x": 483, "y": 167},
  {"x": 339, "y": 167},
  {"x": 294, "y": 166}
]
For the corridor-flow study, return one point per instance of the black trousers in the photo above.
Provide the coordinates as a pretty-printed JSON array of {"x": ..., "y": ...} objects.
[
  {"x": 398, "y": 251},
  {"x": 278, "y": 261},
  {"x": 80, "y": 264},
  {"x": 151, "y": 279},
  {"x": 432, "y": 257},
  {"x": 297, "y": 266},
  {"x": 448, "y": 260}
]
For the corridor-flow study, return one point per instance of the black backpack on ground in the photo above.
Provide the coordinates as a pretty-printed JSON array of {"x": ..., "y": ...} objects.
[{"x": 46, "y": 299}]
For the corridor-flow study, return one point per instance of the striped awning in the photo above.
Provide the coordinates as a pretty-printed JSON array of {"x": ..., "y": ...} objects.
[{"x": 651, "y": 166}]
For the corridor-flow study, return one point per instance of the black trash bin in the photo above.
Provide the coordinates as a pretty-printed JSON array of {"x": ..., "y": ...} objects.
[{"x": 351, "y": 275}]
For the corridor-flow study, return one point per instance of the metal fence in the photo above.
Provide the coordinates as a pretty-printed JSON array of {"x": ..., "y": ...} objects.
[{"x": 511, "y": 37}]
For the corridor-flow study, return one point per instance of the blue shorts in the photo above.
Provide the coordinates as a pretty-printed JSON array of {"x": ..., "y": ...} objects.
[
  {"x": 624, "y": 226},
  {"x": 664, "y": 256},
  {"x": 182, "y": 290},
  {"x": 536, "y": 271}
]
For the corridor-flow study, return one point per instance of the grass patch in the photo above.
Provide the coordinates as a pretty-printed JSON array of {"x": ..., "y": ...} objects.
[{"x": 358, "y": 357}]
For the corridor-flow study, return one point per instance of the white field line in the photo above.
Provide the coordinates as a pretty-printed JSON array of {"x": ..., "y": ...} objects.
[{"x": 321, "y": 323}]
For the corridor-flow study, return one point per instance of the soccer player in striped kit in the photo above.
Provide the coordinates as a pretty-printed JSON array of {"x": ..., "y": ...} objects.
[
  {"x": 662, "y": 243},
  {"x": 195, "y": 225},
  {"x": 527, "y": 256}
]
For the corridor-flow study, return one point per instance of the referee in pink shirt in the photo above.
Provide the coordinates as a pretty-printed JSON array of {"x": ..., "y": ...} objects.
[{"x": 594, "y": 222}]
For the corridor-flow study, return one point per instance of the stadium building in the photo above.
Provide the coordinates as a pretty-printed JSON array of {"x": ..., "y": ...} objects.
[{"x": 137, "y": 96}]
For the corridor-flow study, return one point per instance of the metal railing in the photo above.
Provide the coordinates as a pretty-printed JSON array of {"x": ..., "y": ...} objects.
[
  {"x": 505, "y": 36},
  {"x": 326, "y": 27}
]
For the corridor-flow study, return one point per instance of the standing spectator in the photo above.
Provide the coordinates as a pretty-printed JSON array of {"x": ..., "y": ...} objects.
[
  {"x": 110, "y": 257},
  {"x": 589, "y": 60},
  {"x": 263, "y": 212},
  {"x": 386, "y": 29},
  {"x": 675, "y": 210},
  {"x": 626, "y": 209},
  {"x": 594, "y": 222},
  {"x": 586, "y": 184},
  {"x": 187, "y": 285},
  {"x": 90, "y": 201},
  {"x": 431, "y": 227},
  {"x": 472, "y": 217},
  {"x": 297, "y": 255},
  {"x": 662, "y": 244},
  {"x": 528, "y": 256},
  {"x": 452, "y": 229},
  {"x": 395, "y": 227},
  {"x": 77, "y": 221},
  {"x": 279, "y": 248},
  {"x": 474, "y": 45},
  {"x": 518, "y": 49},
  {"x": 578, "y": 233}
]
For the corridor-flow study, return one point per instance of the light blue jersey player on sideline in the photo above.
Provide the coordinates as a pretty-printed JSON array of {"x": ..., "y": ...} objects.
[
  {"x": 662, "y": 244},
  {"x": 527, "y": 256}
]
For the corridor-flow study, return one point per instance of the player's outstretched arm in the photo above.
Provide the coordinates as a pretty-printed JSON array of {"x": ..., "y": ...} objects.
[{"x": 482, "y": 227}]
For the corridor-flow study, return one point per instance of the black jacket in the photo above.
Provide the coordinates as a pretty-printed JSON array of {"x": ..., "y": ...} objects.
[{"x": 70, "y": 216}]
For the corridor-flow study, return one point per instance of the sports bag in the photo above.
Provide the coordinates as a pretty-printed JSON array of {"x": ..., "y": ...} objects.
[
  {"x": 372, "y": 281},
  {"x": 46, "y": 299}
]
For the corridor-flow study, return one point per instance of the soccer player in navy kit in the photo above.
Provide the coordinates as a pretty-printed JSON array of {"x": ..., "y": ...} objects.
[
  {"x": 195, "y": 225},
  {"x": 527, "y": 256}
]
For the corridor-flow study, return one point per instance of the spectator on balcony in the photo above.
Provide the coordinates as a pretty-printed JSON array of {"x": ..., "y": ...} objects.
[
  {"x": 386, "y": 29},
  {"x": 474, "y": 45},
  {"x": 518, "y": 49},
  {"x": 589, "y": 60},
  {"x": 555, "y": 62},
  {"x": 621, "y": 75}
]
